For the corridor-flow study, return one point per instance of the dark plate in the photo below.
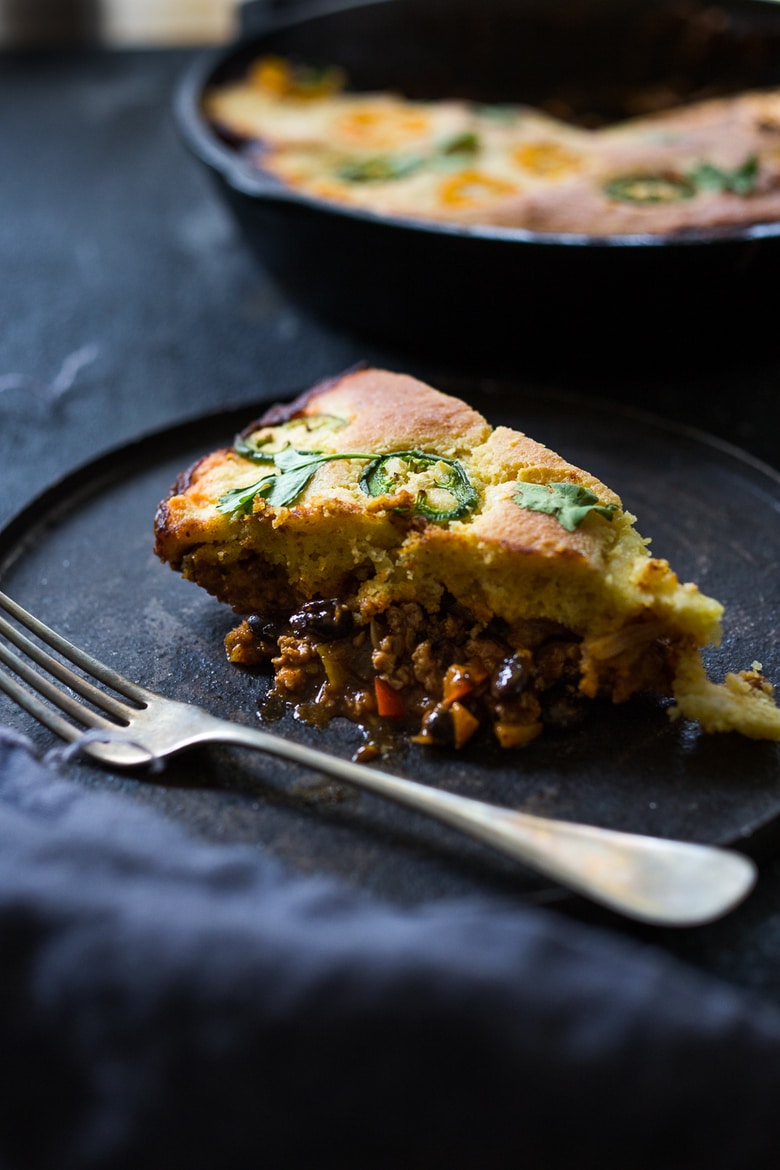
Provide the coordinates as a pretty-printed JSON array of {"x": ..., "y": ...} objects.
[
  {"x": 486, "y": 295},
  {"x": 81, "y": 557}
]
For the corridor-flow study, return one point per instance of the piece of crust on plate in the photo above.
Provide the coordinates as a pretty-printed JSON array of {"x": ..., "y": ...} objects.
[{"x": 404, "y": 564}]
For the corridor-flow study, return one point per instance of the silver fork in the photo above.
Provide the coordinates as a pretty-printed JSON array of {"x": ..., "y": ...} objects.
[{"x": 650, "y": 879}]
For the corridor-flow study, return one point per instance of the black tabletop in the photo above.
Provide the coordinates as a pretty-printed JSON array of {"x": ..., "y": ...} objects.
[{"x": 128, "y": 303}]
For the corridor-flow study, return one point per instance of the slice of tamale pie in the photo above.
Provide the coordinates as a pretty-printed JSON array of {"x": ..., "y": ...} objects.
[{"x": 402, "y": 563}]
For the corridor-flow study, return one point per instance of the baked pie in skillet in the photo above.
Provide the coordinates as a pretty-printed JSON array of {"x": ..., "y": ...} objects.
[{"x": 709, "y": 164}]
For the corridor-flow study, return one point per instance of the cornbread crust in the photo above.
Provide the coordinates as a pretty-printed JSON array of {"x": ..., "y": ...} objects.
[
  {"x": 344, "y": 588},
  {"x": 510, "y": 166}
]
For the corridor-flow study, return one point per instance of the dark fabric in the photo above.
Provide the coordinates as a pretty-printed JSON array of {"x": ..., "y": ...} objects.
[{"x": 168, "y": 1003}]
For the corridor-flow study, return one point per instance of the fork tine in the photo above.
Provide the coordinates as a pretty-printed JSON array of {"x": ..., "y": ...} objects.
[
  {"x": 111, "y": 678},
  {"x": 57, "y": 669},
  {"x": 66, "y": 703},
  {"x": 33, "y": 705}
]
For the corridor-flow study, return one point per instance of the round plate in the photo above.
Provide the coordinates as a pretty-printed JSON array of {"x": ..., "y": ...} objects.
[{"x": 80, "y": 557}]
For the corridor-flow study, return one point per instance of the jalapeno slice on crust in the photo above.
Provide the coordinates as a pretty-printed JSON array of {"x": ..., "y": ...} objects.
[
  {"x": 378, "y": 479},
  {"x": 650, "y": 188}
]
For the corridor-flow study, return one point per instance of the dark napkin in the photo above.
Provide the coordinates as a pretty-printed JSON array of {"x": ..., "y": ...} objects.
[{"x": 165, "y": 1003}]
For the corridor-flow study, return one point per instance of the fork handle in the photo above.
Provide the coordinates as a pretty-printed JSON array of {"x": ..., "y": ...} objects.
[{"x": 651, "y": 879}]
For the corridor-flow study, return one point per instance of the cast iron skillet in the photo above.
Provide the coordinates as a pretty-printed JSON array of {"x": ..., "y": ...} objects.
[{"x": 503, "y": 297}]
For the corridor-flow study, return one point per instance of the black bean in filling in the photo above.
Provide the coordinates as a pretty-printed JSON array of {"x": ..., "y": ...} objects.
[{"x": 510, "y": 678}]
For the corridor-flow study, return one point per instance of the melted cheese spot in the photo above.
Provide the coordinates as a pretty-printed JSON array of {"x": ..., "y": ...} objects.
[
  {"x": 381, "y": 126},
  {"x": 472, "y": 188},
  {"x": 547, "y": 159}
]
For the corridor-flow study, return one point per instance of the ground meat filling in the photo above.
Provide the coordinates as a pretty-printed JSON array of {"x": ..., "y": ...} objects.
[{"x": 443, "y": 678}]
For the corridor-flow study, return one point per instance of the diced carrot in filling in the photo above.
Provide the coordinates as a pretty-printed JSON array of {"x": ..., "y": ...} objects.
[{"x": 389, "y": 703}]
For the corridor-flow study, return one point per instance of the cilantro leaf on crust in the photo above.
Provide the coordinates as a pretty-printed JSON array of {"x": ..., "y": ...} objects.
[{"x": 568, "y": 502}]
